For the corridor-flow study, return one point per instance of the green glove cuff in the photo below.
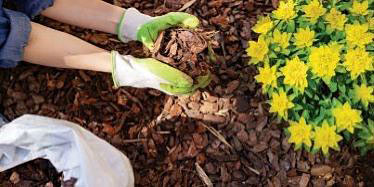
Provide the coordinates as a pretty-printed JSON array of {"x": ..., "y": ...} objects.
[
  {"x": 113, "y": 61},
  {"x": 119, "y": 27},
  {"x": 149, "y": 32}
]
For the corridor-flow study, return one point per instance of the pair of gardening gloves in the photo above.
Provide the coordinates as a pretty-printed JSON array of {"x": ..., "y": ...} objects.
[{"x": 151, "y": 73}]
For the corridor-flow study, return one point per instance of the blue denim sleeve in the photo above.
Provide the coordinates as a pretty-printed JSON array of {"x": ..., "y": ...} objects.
[
  {"x": 32, "y": 7},
  {"x": 15, "y": 29}
]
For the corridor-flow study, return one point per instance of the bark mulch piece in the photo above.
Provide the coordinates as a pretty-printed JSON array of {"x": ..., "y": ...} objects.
[
  {"x": 186, "y": 50},
  {"x": 38, "y": 172},
  {"x": 224, "y": 131}
]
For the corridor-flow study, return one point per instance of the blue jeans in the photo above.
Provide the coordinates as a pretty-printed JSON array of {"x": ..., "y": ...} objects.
[{"x": 15, "y": 29}]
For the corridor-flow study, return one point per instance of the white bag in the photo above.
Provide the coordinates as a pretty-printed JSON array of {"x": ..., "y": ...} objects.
[{"x": 71, "y": 149}]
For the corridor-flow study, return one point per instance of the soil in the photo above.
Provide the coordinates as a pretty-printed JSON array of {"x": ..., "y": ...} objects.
[
  {"x": 220, "y": 136},
  {"x": 185, "y": 50}
]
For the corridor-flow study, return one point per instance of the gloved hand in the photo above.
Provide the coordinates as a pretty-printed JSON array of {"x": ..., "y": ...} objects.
[
  {"x": 137, "y": 26},
  {"x": 151, "y": 73}
]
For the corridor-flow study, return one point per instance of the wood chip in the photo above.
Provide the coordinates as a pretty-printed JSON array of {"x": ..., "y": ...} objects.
[
  {"x": 304, "y": 181},
  {"x": 218, "y": 135},
  {"x": 203, "y": 176},
  {"x": 321, "y": 170},
  {"x": 187, "y": 5}
]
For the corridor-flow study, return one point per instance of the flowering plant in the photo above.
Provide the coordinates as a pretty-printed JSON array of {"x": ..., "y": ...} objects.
[{"x": 315, "y": 63}]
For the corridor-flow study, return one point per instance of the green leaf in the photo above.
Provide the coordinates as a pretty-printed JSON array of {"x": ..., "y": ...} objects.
[
  {"x": 321, "y": 25},
  {"x": 272, "y": 55},
  {"x": 306, "y": 114},
  {"x": 364, "y": 134},
  {"x": 363, "y": 151},
  {"x": 362, "y": 19},
  {"x": 340, "y": 69},
  {"x": 342, "y": 88},
  {"x": 314, "y": 150},
  {"x": 333, "y": 86},
  {"x": 347, "y": 135},
  {"x": 308, "y": 93},
  {"x": 319, "y": 119},
  {"x": 298, "y": 146},
  {"x": 297, "y": 107},
  {"x": 371, "y": 128},
  {"x": 359, "y": 143},
  {"x": 370, "y": 47},
  {"x": 291, "y": 26},
  {"x": 344, "y": 6}
]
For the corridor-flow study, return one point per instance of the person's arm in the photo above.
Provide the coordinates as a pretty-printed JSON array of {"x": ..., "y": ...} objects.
[
  {"x": 129, "y": 24},
  {"x": 50, "y": 47},
  {"x": 53, "y": 48},
  {"x": 92, "y": 14}
]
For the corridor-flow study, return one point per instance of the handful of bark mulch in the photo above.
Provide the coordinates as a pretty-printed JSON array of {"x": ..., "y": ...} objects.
[{"x": 186, "y": 50}]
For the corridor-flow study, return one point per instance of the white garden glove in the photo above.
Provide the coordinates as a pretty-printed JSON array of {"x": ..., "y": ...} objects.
[
  {"x": 151, "y": 73},
  {"x": 137, "y": 26}
]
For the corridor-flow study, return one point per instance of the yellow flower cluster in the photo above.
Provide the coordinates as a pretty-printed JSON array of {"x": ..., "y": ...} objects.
[
  {"x": 336, "y": 19},
  {"x": 315, "y": 63},
  {"x": 323, "y": 61},
  {"x": 295, "y": 74},
  {"x": 263, "y": 25},
  {"x": 360, "y": 8},
  {"x": 281, "y": 104},
  {"x": 346, "y": 117},
  {"x": 358, "y": 35},
  {"x": 267, "y": 76},
  {"x": 364, "y": 94},
  {"x": 258, "y": 50},
  {"x": 286, "y": 10},
  {"x": 301, "y": 133},
  {"x": 358, "y": 61},
  {"x": 314, "y": 10},
  {"x": 304, "y": 38},
  {"x": 283, "y": 39},
  {"x": 324, "y": 136}
]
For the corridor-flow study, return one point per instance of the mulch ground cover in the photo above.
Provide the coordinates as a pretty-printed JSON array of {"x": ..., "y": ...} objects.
[{"x": 220, "y": 136}]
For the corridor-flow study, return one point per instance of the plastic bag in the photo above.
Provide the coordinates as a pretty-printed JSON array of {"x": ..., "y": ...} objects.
[{"x": 71, "y": 149}]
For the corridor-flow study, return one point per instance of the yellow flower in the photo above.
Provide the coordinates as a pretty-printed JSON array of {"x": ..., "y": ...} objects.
[
  {"x": 371, "y": 23},
  {"x": 280, "y": 104},
  {"x": 295, "y": 73},
  {"x": 364, "y": 94},
  {"x": 314, "y": 10},
  {"x": 360, "y": 8},
  {"x": 285, "y": 11},
  {"x": 358, "y": 61},
  {"x": 358, "y": 35},
  {"x": 323, "y": 61},
  {"x": 304, "y": 38},
  {"x": 335, "y": 46},
  {"x": 301, "y": 133},
  {"x": 268, "y": 76},
  {"x": 326, "y": 137},
  {"x": 336, "y": 19},
  {"x": 283, "y": 39},
  {"x": 346, "y": 117},
  {"x": 258, "y": 50},
  {"x": 263, "y": 25}
]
